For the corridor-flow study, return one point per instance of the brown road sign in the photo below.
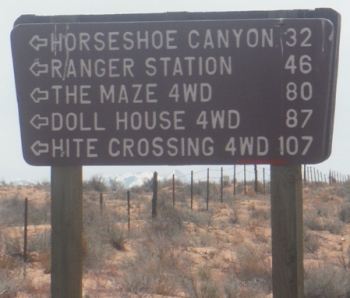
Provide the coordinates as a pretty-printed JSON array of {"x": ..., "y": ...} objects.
[{"x": 203, "y": 90}]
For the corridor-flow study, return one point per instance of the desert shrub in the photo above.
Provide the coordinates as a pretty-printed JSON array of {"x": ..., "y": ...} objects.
[
  {"x": 200, "y": 282},
  {"x": 8, "y": 263},
  {"x": 44, "y": 258},
  {"x": 326, "y": 282},
  {"x": 168, "y": 222},
  {"x": 254, "y": 267},
  {"x": 115, "y": 185},
  {"x": 153, "y": 270},
  {"x": 100, "y": 235},
  {"x": 259, "y": 213},
  {"x": 200, "y": 219},
  {"x": 206, "y": 239},
  {"x": 311, "y": 242},
  {"x": 234, "y": 217},
  {"x": 13, "y": 246},
  {"x": 165, "y": 196},
  {"x": 182, "y": 197},
  {"x": 341, "y": 191},
  {"x": 168, "y": 183},
  {"x": 95, "y": 252},
  {"x": 240, "y": 188},
  {"x": 3, "y": 183},
  {"x": 95, "y": 183},
  {"x": 39, "y": 250},
  {"x": 333, "y": 225},
  {"x": 232, "y": 288},
  {"x": 34, "y": 289},
  {"x": 200, "y": 188},
  {"x": 117, "y": 238},
  {"x": 40, "y": 241},
  {"x": 228, "y": 196},
  {"x": 12, "y": 211},
  {"x": 208, "y": 287},
  {"x": 7, "y": 287},
  {"x": 45, "y": 185},
  {"x": 147, "y": 185},
  {"x": 313, "y": 222},
  {"x": 260, "y": 186},
  {"x": 39, "y": 214},
  {"x": 214, "y": 192},
  {"x": 344, "y": 213}
]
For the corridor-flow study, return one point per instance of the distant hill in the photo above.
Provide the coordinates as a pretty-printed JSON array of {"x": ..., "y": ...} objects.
[
  {"x": 128, "y": 179},
  {"x": 137, "y": 179}
]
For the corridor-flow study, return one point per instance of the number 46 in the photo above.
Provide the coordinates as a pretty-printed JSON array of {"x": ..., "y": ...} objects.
[{"x": 304, "y": 64}]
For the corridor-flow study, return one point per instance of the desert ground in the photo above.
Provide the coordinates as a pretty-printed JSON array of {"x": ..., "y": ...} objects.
[{"x": 220, "y": 251}]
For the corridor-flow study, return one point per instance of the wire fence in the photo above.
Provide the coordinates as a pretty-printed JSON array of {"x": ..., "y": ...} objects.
[
  {"x": 206, "y": 185},
  {"x": 262, "y": 173}
]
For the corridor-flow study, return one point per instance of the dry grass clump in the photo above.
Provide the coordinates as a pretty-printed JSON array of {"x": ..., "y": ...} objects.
[
  {"x": 261, "y": 214},
  {"x": 11, "y": 211},
  {"x": 102, "y": 233},
  {"x": 344, "y": 212},
  {"x": 153, "y": 269},
  {"x": 311, "y": 241},
  {"x": 327, "y": 281},
  {"x": 254, "y": 267},
  {"x": 207, "y": 287},
  {"x": 7, "y": 287},
  {"x": 317, "y": 223}
]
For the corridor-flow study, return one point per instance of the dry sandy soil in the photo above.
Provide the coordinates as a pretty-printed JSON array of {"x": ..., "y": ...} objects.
[{"x": 224, "y": 251}]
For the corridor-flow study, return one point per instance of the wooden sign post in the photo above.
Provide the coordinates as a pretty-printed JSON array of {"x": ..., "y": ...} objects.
[
  {"x": 287, "y": 232},
  {"x": 67, "y": 230}
]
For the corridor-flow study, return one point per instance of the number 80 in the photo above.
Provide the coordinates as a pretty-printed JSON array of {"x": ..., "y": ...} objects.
[{"x": 305, "y": 91}]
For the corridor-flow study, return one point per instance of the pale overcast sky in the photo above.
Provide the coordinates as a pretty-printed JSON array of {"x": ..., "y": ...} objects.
[{"x": 12, "y": 164}]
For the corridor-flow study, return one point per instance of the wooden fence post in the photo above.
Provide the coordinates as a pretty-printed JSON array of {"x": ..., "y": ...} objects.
[
  {"x": 315, "y": 175},
  {"x": 66, "y": 232},
  {"x": 101, "y": 203},
  {"x": 256, "y": 179},
  {"x": 222, "y": 185},
  {"x": 173, "y": 190},
  {"x": 191, "y": 190},
  {"x": 311, "y": 175},
  {"x": 155, "y": 195},
  {"x": 208, "y": 189},
  {"x": 245, "y": 180},
  {"x": 25, "y": 236},
  {"x": 128, "y": 199},
  {"x": 287, "y": 232},
  {"x": 264, "y": 181},
  {"x": 234, "y": 180}
]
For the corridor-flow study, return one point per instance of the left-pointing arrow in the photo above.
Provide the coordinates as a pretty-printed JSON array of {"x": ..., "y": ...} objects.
[
  {"x": 38, "y": 148},
  {"x": 37, "y": 69},
  {"x": 36, "y": 42},
  {"x": 38, "y": 95},
  {"x": 38, "y": 121}
]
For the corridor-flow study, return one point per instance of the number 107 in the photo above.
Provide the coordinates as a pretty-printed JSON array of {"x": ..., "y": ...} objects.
[{"x": 292, "y": 146}]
